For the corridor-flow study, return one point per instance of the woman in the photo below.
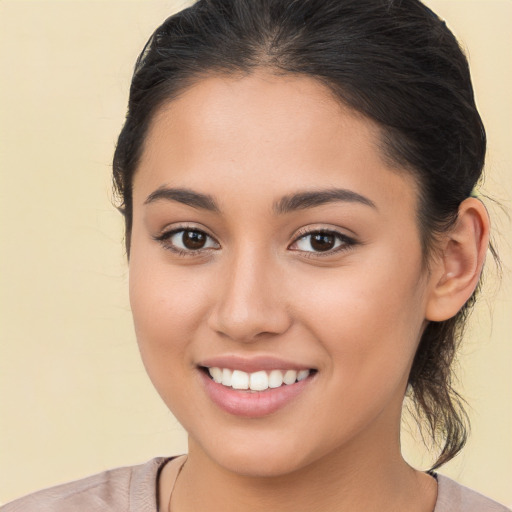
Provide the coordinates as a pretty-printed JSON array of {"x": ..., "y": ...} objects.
[{"x": 297, "y": 182}]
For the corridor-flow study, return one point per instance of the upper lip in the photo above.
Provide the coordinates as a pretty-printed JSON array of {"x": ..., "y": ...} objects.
[{"x": 252, "y": 364}]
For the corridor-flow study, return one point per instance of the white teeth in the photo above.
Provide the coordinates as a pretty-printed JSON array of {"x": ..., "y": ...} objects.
[
  {"x": 290, "y": 377},
  {"x": 239, "y": 380},
  {"x": 275, "y": 379},
  {"x": 216, "y": 374},
  {"x": 257, "y": 381},
  {"x": 303, "y": 374},
  {"x": 226, "y": 377}
]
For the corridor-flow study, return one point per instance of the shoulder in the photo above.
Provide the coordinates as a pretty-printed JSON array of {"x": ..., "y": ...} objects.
[
  {"x": 126, "y": 488},
  {"x": 453, "y": 497}
]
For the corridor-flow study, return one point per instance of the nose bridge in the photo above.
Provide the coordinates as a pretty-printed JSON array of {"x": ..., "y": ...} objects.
[{"x": 248, "y": 303}]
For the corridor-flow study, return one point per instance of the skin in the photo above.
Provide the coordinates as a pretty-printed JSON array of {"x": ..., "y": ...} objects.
[{"x": 259, "y": 288}]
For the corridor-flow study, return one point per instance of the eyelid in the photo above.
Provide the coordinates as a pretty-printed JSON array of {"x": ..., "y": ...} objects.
[
  {"x": 169, "y": 231},
  {"x": 347, "y": 241},
  {"x": 325, "y": 228}
]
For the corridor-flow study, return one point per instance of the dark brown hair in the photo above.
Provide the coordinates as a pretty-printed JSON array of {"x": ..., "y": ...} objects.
[{"x": 395, "y": 62}]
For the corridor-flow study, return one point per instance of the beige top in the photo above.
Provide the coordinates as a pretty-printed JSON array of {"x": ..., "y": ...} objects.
[{"x": 134, "y": 489}]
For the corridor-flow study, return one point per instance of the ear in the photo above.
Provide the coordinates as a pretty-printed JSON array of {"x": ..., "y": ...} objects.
[{"x": 456, "y": 272}]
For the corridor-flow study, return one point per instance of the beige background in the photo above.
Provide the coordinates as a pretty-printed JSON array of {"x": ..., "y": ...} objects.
[{"x": 74, "y": 397}]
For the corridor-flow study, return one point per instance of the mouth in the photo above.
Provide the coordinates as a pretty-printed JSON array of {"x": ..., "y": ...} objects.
[
  {"x": 261, "y": 380},
  {"x": 255, "y": 394},
  {"x": 257, "y": 386}
]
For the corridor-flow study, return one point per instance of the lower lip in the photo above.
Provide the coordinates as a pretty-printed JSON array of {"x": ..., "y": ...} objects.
[{"x": 253, "y": 404}]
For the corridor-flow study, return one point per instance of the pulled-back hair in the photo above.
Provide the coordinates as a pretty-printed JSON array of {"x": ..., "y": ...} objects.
[{"x": 393, "y": 61}]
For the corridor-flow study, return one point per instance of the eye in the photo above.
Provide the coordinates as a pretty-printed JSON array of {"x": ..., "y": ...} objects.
[
  {"x": 322, "y": 242},
  {"x": 187, "y": 240}
]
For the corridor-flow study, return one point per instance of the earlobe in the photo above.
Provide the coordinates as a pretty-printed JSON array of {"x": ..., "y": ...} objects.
[{"x": 458, "y": 269}]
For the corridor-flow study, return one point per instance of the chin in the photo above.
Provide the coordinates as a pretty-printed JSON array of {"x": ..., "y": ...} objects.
[
  {"x": 260, "y": 465},
  {"x": 260, "y": 456}
]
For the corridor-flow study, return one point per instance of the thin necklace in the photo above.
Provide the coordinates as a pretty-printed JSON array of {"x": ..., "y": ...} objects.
[{"x": 174, "y": 484}]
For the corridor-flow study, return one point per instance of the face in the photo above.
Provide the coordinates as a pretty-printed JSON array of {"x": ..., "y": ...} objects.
[{"x": 271, "y": 241}]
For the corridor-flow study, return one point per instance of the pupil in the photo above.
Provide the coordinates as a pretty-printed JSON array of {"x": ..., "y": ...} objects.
[
  {"x": 194, "y": 239},
  {"x": 322, "y": 242}
]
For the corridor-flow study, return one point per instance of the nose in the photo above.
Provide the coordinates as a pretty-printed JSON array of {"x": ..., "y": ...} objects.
[{"x": 249, "y": 303}]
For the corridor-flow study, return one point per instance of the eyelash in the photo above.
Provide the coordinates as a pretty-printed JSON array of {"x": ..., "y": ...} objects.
[
  {"x": 345, "y": 242},
  {"x": 164, "y": 240}
]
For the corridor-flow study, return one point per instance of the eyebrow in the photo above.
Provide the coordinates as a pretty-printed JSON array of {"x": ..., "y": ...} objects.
[
  {"x": 184, "y": 196},
  {"x": 287, "y": 204},
  {"x": 311, "y": 199}
]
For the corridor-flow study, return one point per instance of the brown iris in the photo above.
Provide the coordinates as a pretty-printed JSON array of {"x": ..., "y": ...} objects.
[
  {"x": 322, "y": 241},
  {"x": 193, "y": 240}
]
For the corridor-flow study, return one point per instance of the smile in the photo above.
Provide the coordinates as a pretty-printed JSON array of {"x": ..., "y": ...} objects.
[
  {"x": 256, "y": 381},
  {"x": 257, "y": 387}
]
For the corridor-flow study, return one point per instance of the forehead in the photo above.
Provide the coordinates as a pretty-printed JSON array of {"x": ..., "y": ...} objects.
[
  {"x": 295, "y": 107},
  {"x": 264, "y": 130}
]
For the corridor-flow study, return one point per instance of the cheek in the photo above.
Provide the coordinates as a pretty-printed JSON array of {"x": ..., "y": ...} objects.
[
  {"x": 167, "y": 311},
  {"x": 167, "y": 307},
  {"x": 368, "y": 315}
]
